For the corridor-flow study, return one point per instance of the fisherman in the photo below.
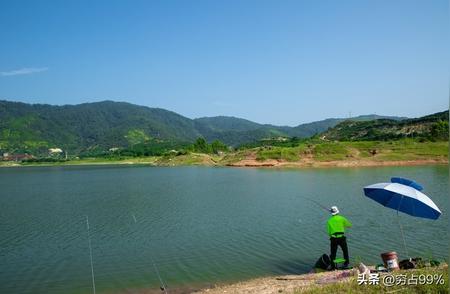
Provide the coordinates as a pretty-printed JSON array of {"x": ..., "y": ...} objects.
[{"x": 336, "y": 225}]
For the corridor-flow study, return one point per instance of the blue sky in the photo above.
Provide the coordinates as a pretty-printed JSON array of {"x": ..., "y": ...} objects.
[{"x": 280, "y": 62}]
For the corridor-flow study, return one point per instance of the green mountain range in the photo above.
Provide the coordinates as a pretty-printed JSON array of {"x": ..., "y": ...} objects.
[{"x": 104, "y": 125}]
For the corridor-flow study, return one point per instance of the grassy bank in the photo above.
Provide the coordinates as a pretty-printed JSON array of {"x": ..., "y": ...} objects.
[
  {"x": 188, "y": 159},
  {"x": 305, "y": 154},
  {"x": 86, "y": 161},
  {"x": 351, "y": 285},
  {"x": 373, "y": 150},
  {"x": 345, "y": 281},
  {"x": 319, "y": 153}
]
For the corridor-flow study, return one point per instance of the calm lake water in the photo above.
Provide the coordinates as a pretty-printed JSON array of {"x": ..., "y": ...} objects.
[{"x": 199, "y": 225}]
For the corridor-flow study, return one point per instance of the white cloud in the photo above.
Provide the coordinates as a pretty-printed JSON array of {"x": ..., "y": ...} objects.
[{"x": 23, "y": 71}]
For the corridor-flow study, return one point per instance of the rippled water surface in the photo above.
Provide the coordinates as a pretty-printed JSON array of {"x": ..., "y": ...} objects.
[{"x": 199, "y": 225}]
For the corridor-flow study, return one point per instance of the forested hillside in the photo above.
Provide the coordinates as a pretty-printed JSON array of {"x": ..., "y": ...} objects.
[
  {"x": 430, "y": 127},
  {"x": 105, "y": 125}
]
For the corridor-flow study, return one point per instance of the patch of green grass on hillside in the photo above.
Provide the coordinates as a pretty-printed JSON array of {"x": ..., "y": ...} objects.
[
  {"x": 136, "y": 136},
  {"x": 411, "y": 150},
  {"x": 329, "y": 151},
  {"x": 279, "y": 153}
]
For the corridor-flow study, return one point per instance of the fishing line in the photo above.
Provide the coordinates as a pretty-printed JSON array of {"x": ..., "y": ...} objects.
[
  {"x": 90, "y": 253},
  {"x": 162, "y": 285}
]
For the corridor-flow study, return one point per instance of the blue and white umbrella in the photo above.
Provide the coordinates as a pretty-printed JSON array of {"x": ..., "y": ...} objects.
[
  {"x": 403, "y": 195},
  {"x": 404, "y": 199}
]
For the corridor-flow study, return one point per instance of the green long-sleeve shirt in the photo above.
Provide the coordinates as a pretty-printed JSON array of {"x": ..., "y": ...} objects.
[{"x": 337, "y": 224}]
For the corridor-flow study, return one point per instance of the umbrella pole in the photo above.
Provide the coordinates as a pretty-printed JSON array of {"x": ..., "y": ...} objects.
[{"x": 403, "y": 236}]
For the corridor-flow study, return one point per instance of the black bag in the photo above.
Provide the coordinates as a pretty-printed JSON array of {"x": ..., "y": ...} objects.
[
  {"x": 406, "y": 264},
  {"x": 410, "y": 263},
  {"x": 323, "y": 262}
]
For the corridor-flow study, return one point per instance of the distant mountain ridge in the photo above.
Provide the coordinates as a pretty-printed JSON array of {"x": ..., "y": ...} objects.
[
  {"x": 109, "y": 124},
  {"x": 434, "y": 127},
  {"x": 237, "y": 130}
]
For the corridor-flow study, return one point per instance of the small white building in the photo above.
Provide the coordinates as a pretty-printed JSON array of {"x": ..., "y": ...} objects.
[{"x": 55, "y": 151}]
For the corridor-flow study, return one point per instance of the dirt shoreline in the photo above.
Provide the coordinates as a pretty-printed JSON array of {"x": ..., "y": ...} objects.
[
  {"x": 282, "y": 284},
  {"x": 253, "y": 163},
  {"x": 261, "y": 285},
  {"x": 340, "y": 163}
]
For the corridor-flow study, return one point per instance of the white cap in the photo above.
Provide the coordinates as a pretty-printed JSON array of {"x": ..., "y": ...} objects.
[{"x": 334, "y": 210}]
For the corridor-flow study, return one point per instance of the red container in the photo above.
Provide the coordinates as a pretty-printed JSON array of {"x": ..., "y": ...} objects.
[{"x": 390, "y": 260}]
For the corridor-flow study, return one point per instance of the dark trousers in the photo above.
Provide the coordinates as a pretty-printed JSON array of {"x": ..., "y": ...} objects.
[{"x": 334, "y": 243}]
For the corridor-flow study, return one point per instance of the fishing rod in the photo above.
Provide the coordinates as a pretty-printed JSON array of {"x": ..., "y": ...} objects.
[
  {"x": 162, "y": 285},
  {"x": 321, "y": 206},
  {"x": 317, "y": 203},
  {"x": 90, "y": 254}
]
